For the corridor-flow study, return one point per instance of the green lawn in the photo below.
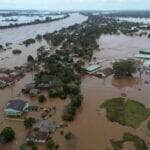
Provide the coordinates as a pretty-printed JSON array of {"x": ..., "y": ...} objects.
[{"x": 126, "y": 112}]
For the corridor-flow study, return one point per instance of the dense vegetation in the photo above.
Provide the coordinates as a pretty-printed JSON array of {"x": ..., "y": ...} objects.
[
  {"x": 79, "y": 39},
  {"x": 63, "y": 79},
  {"x": 124, "y": 68},
  {"x": 126, "y": 112},
  {"x": 128, "y": 137}
]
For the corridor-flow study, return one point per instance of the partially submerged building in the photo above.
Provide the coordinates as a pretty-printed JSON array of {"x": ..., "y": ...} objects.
[
  {"x": 105, "y": 72},
  {"x": 16, "y": 107},
  {"x": 45, "y": 126},
  {"x": 93, "y": 68},
  {"x": 37, "y": 137},
  {"x": 41, "y": 131},
  {"x": 147, "y": 64},
  {"x": 143, "y": 54}
]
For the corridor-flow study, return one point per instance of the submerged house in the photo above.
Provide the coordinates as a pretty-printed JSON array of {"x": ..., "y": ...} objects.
[
  {"x": 16, "y": 107},
  {"x": 37, "y": 137},
  {"x": 45, "y": 126},
  {"x": 41, "y": 131}
]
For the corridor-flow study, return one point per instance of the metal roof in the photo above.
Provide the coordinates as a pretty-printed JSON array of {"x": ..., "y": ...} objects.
[
  {"x": 93, "y": 67},
  {"x": 17, "y": 105},
  {"x": 142, "y": 56}
]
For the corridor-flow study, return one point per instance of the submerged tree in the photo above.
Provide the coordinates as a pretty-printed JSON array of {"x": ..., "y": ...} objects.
[{"x": 124, "y": 68}]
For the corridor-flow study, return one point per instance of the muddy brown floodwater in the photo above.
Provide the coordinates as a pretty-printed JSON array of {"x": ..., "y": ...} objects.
[{"x": 91, "y": 128}]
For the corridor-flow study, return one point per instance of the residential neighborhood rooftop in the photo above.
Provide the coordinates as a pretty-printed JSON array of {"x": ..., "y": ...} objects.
[
  {"x": 16, "y": 104},
  {"x": 45, "y": 125}
]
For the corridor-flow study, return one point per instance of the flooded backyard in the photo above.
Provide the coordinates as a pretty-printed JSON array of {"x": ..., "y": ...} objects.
[{"x": 91, "y": 128}]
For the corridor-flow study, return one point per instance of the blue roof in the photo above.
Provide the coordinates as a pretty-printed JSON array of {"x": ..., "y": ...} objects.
[{"x": 17, "y": 105}]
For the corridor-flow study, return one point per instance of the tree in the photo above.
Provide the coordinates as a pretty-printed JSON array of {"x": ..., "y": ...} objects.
[
  {"x": 32, "y": 145},
  {"x": 148, "y": 125},
  {"x": 124, "y": 68},
  {"x": 50, "y": 144},
  {"x": 41, "y": 98},
  {"x": 39, "y": 37},
  {"x": 28, "y": 122},
  {"x": 30, "y": 59},
  {"x": 69, "y": 136},
  {"x": 8, "y": 133}
]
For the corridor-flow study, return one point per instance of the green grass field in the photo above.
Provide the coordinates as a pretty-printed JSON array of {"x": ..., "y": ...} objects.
[{"x": 126, "y": 112}]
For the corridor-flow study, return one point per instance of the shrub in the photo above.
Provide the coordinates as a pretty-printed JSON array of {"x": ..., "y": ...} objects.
[
  {"x": 8, "y": 133},
  {"x": 28, "y": 122},
  {"x": 29, "y": 41},
  {"x": 41, "y": 98},
  {"x": 148, "y": 125},
  {"x": 16, "y": 51},
  {"x": 50, "y": 144},
  {"x": 69, "y": 136}
]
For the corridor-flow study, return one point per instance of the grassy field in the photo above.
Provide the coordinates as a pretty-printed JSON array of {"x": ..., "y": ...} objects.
[
  {"x": 126, "y": 112},
  {"x": 128, "y": 137}
]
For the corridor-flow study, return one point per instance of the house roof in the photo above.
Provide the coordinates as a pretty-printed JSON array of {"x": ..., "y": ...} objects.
[
  {"x": 37, "y": 136},
  {"x": 93, "y": 67},
  {"x": 45, "y": 125},
  {"x": 17, "y": 105},
  {"x": 142, "y": 56}
]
